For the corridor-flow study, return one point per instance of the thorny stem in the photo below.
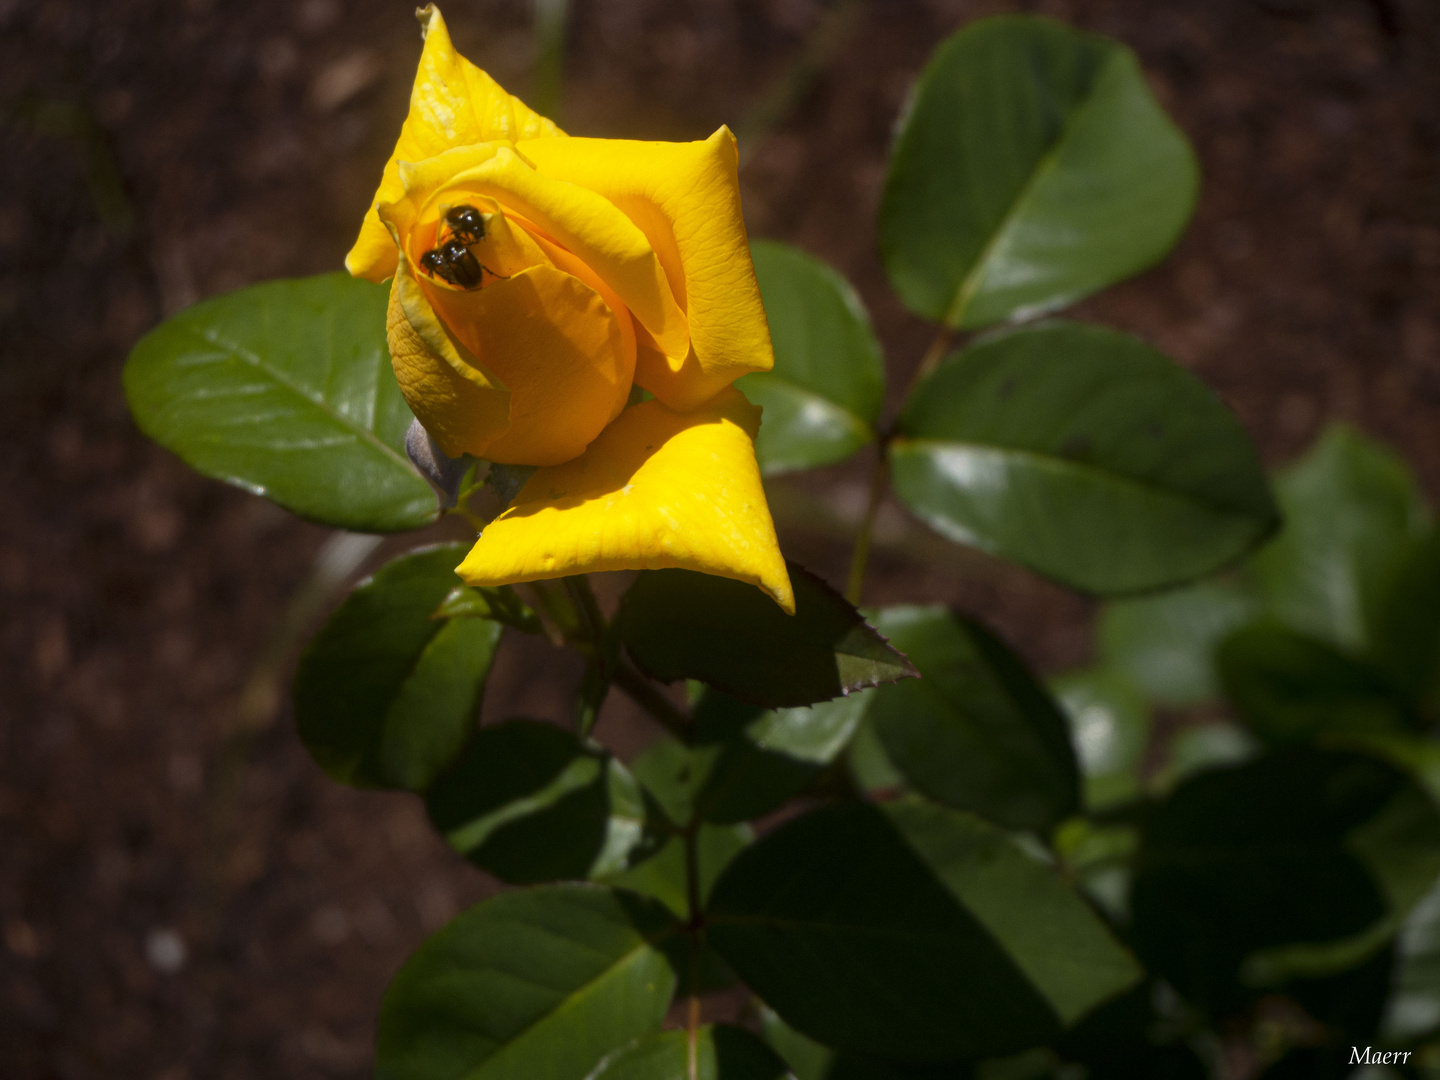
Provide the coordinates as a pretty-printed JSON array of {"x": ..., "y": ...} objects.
[{"x": 860, "y": 556}]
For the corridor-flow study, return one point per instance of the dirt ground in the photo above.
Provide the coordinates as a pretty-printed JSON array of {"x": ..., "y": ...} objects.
[{"x": 181, "y": 901}]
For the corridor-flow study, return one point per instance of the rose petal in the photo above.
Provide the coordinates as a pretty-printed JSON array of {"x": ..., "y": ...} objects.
[
  {"x": 453, "y": 103},
  {"x": 685, "y": 197},
  {"x": 590, "y": 227},
  {"x": 657, "y": 489},
  {"x": 462, "y": 407},
  {"x": 565, "y": 356}
]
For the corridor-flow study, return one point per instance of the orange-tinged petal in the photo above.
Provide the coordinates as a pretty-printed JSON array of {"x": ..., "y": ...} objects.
[
  {"x": 657, "y": 489},
  {"x": 460, "y": 405},
  {"x": 685, "y": 198},
  {"x": 566, "y": 357},
  {"x": 453, "y": 103}
]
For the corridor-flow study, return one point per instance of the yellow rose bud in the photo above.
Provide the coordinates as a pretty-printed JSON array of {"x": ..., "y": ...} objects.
[{"x": 535, "y": 279}]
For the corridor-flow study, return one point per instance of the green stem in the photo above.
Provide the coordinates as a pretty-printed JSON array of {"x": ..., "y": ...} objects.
[
  {"x": 645, "y": 694},
  {"x": 587, "y": 608},
  {"x": 696, "y": 930},
  {"x": 861, "y": 555}
]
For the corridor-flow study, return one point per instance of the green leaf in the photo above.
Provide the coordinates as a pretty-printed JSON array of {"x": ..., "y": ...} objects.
[
  {"x": 920, "y": 933},
  {"x": 976, "y": 731},
  {"x": 1085, "y": 455},
  {"x": 1033, "y": 167},
  {"x": 747, "y": 760},
  {"x": 1405, "y": 635},
  {"x": 722, "y": 1052},
  {"x": 1110, "y": 729},
  {"x": 1194, "y": 749},
  {"x": 1164, "y": 644},
  {"x": 662, "y": 875},
  {"x": 528, "y": 802},
  {"x": 678, "y": 624},
  {"x": 538, "y": 983},
  {"x": 1122, "y": 1040},
  {"x": 1290, "y": 687},
  {"x": 499, "y": 604},
  {"x": 385, "y": 695},
  {"x": 870, "y": 767},
  {"x": 1413, "y": 1012},
  {"x": 823, "y": 396},
  {"x": 807, "y": 1059},
  {"x": 1353, "y": 515},
  {"x": 285, "y": 389},
  {"x": 1293, "y": 864},
  {"x": 1053, "y": 936}
]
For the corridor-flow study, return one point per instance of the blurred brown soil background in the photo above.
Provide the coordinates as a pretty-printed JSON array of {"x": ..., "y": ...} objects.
[{"x": 180, "y": 898}]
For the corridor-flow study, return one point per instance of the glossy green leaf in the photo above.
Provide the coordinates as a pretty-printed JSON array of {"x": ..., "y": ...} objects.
[
  {"x": 1295, "y": 863},
  {"x": 678, "y": 624},
  {"x": 1164, "y": 644},
  {"x": 500, "y": 604},
  {"x": 539, "y": 983},
  {"x": 914, "y": 934},
  {"x": 1353, "y": 515},
  {"x": 1085, "y": 455},
  {"x": 1033, "y": 167},
  {"x": 530, "y": 803},
  {"x": 976, "y": 731},
  {"x": 721, "y": 1052},
  {"x": 1110, "y": 728},
  {"x": 285, "y": 389},
  {"x": 1290, "y": 687},
  {"x": 823, "y": 396},
  {"x": 385, "y": 695}
]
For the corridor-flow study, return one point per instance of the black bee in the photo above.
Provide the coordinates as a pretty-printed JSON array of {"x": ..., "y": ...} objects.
[{"x": 452, "y": 259}]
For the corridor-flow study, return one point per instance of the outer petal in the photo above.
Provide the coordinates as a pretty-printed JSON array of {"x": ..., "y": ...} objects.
[
  {"x": 453, "y": 103},
  {"x": 657, "y": 489},
  {"x": 685, "y": 197}
]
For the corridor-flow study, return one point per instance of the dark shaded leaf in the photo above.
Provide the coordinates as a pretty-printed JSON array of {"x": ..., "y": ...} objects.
[
  {"x": 900, "y": 945},
  {"x": 678, "y": 624},
  {"x": 1290, "y": 687},
  {"x": 1032, "y": 167},
  {"x": 499, "y": 604},
  {"x": 977, "y": 731},
  {"x": 285, "y": 389},
  {"x": 824, "y": 394},
  {"x": 385, "y": 695},
  {"x": 542, "y": 982},
  {"x": 1085, "y": 455},
  {"x": 530, "y": 803},
  {"x": 722, "y": 1052},
  {"x": 1298, "y": 864}
]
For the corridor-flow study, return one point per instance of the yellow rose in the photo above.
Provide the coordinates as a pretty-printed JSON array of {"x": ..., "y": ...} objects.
[{"x": 599, "y": 264}]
